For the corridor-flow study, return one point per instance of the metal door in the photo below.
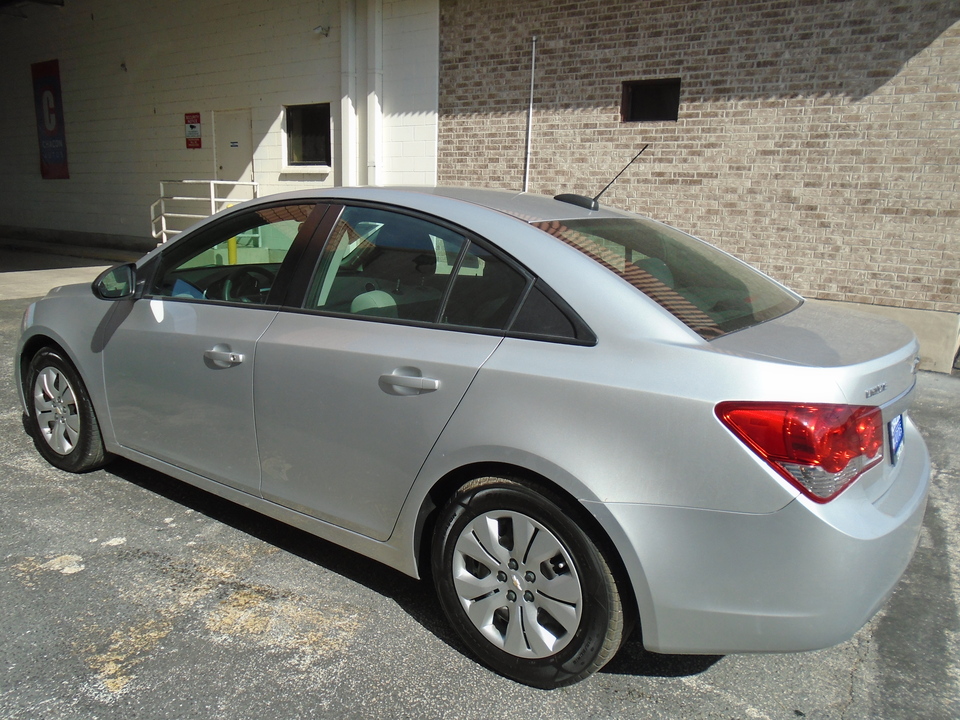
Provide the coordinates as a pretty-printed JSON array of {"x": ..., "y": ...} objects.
[{"x": 233, "y": 150}]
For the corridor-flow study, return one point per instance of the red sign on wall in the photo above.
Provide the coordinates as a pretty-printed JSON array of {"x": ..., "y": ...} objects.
[
  {"x": 50, "y": 129},
  {"x": 192, "y": 132}
]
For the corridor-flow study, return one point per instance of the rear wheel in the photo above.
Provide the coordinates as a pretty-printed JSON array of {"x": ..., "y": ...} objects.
[
  {"x": 60, "y": 415},
  {"x": 523, "y": 584}
]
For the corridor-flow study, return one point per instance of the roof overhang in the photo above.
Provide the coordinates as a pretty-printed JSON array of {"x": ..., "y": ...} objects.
[{"x": 15, "y": 8}]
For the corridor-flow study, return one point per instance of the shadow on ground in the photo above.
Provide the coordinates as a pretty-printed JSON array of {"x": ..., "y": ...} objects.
[{"x": 415, "y": 597}]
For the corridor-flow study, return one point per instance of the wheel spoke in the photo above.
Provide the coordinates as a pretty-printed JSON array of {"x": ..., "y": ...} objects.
[
  {"x": 71, "y": 430},
  {"x": 61, "y": 440},
  {"x": 45, "y": 386},
  {"x": 42, "y": 402},
  {"x": 515, "y": 640},
  {"x": 565, "y": 588},
  {"x": 542, "y": 641},
  {"x": 67, "y": 397},
  {"x": 543, "y": 548},
  {"x": 472, "y": 546},
  {"x": 481, "y": 612},
  {"x": 73, "y": 425},
  {"x": 524, "y": 533},
  {"x": 564, "y": 614},
  {"x": 471, "y": 587},
  {"x": 486, "y": 532}
]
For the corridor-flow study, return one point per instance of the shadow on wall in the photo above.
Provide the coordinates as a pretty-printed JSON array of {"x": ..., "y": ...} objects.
[{"x": 723, "y": 49}]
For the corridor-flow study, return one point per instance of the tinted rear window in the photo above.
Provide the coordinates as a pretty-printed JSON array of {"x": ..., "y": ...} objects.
[{"x": 703, "y": 287}]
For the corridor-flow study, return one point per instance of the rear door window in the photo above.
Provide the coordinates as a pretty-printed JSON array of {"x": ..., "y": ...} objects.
[
  {"x": 380, "y": 263},
  {"x": 484, "y": 292},
  {"x": 384, "y": 264}
]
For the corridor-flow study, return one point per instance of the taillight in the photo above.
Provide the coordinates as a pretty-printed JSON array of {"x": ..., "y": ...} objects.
[{"x": 820, "y": 449}]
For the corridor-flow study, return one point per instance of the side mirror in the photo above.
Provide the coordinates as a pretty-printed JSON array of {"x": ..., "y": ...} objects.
[{"x": 116, "y": 283}]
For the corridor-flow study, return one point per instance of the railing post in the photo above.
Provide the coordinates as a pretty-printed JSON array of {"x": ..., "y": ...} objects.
[
  {"x": 163, "y": 219},
  {"x": 212, "y": 200}
]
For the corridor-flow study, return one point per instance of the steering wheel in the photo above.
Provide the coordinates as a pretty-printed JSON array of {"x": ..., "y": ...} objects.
[{"x": 248, "y": 284}]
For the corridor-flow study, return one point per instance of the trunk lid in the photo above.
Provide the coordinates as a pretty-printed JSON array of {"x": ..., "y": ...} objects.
[{"x": 876, "y": 358}]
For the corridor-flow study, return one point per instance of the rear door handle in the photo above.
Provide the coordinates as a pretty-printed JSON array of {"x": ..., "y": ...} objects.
[{"x": 407, "y": 381}]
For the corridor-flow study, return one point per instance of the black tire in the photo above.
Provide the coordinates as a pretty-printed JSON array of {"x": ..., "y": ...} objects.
[
  {"x": 523, "y": 585},
  {"x": 60, "y": 416}
]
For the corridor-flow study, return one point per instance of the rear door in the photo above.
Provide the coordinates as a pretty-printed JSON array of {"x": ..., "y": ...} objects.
[{"x": 353, "y": 390}]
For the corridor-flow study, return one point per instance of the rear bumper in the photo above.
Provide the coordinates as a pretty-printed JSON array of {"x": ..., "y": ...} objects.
[{"x": 803, "y": 578}]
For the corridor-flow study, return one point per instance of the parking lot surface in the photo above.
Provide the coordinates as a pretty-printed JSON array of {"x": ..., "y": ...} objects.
[{"x": 127, "y": 594}]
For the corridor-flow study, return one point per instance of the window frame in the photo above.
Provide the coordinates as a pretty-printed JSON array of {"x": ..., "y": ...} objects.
[
  {"x": 661, "y": 86},
  {"x": 289, "y": 166}
]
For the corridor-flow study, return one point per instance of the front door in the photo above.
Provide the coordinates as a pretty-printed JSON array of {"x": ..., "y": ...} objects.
[
  {"x": 179, "y": 368},
  {"x": 180, "y": 382}
]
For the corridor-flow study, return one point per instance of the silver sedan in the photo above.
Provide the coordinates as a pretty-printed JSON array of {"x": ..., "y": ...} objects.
[{"x": 578, "y": 422}]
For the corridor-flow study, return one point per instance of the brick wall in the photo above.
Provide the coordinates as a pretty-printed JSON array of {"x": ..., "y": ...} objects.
[{"x": 817, "y": 139}]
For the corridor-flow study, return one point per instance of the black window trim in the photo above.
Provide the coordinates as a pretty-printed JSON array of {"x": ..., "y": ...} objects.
[{"x": 583, "y": 335}]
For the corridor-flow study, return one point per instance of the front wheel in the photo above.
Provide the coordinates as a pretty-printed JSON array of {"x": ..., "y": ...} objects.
[
  {"x": 60, "y": 415},
  {"x": 523, "y": 584}
]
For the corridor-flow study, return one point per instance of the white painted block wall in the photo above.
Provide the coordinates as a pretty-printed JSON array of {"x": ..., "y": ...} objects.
[{"x": 130, "y": 70}]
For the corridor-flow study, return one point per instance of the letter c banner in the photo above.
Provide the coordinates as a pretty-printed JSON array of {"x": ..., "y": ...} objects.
[{"x": 50, "y": 127}]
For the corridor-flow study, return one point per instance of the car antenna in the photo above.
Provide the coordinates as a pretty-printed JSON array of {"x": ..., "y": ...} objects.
[{"x": 593, "y": 203}]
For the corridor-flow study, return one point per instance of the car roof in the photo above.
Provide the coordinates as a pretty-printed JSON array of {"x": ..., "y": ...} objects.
[
  {"x": 523, "y": 206},
  {"x": 528, "y": 207}
]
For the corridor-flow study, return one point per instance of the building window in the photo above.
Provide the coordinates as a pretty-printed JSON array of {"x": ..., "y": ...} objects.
[
  {"x": 308, "y": 134},
  {"x": 647, "y": 100}
]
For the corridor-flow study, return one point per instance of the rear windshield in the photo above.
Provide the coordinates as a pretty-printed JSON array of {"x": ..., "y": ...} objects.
[{"x": 706, "y": 289}]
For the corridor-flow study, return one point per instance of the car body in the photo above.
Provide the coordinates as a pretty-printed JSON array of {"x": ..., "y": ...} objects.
[{"x": 440, "y": 376}]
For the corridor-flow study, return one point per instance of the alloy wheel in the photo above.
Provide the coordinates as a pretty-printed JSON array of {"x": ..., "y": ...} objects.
[
  {"x": 517, "y": 584},
  {"x": 57, "y": 414}
]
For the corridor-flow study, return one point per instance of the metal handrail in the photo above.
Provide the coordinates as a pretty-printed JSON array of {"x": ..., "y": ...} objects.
[{"x": 160, "y": 213}]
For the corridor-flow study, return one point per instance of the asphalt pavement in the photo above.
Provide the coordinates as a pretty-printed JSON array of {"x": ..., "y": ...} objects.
[{"x": 127, "y": 594}]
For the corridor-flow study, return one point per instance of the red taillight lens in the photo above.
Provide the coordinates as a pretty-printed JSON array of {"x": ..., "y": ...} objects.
[{"x": 819, "y": 448}]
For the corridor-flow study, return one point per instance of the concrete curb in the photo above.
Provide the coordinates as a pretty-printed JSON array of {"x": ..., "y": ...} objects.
[{"x": 107, "y": 254}]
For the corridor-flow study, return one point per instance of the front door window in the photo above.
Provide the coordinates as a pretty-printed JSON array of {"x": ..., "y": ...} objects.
[{"x": 236, "y": 261}]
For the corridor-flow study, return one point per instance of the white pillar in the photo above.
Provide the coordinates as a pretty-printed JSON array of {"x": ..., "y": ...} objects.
[
  {"x": 375, "y": 168},
  {"x": 349, "y": 120}
]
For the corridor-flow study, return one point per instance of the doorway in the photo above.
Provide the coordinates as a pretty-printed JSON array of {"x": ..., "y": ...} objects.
[{"x": 233, "y": 150}]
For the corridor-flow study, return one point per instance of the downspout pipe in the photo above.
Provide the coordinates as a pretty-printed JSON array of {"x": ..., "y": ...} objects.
[{"x": 533, "y": 73}]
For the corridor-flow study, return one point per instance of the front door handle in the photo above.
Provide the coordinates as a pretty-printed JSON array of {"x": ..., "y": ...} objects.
[
  {"x": 407, "y": 381},
  {"x": 223, "y": 357}
]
